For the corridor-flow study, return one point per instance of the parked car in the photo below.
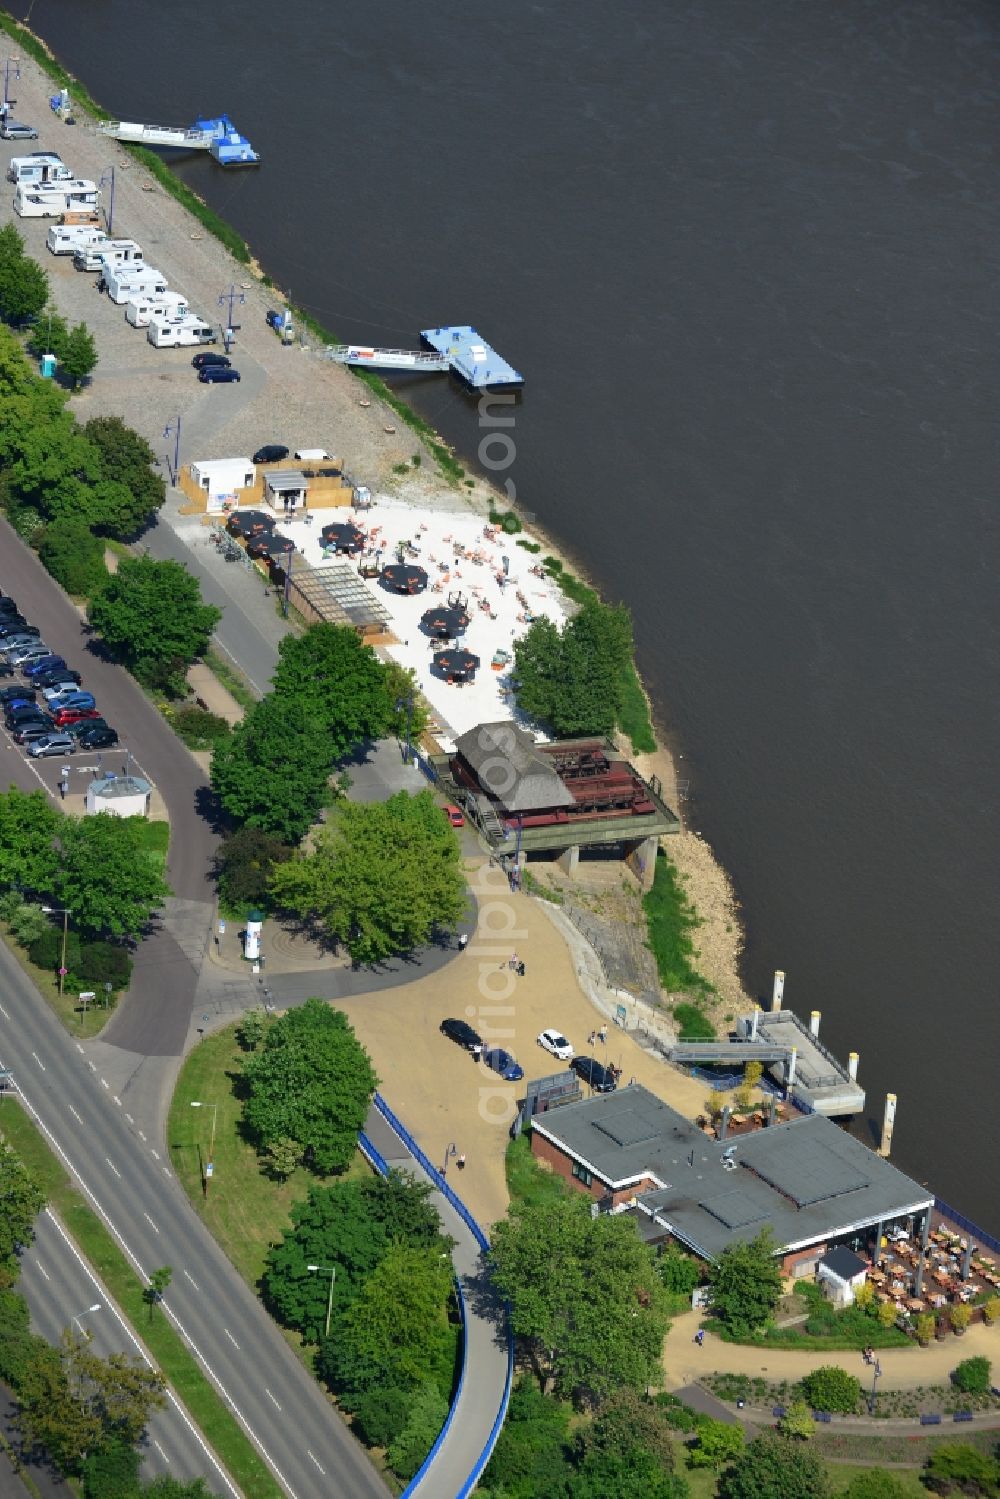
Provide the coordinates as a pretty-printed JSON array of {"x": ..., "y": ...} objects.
[
  {"x": 454, "y": 814},
  {"x": 20, "y": 633},
  {"x": 52, "y": 744},
  {"x": 15, "y": 712},
  {"x": 462, "y": 1033},
  {"x": 501, "y": 1061},
  {"x": 16, "y": 694},
  {"x": 58, "y": 681},
  {"x": 44, "y": 664},
  {"x": 85, "y": 726},
  {"x": 30, "y": 733},
  {"x": 7, "y": 604},
  {"x": 65, "y": 716},
  {"x": 95, "y": 736},
  {"x": 14, "y": 130},
  {"x": 16, "y": 624},
  {"x": 601, "y": 1079},
  {"x": 6, "y": 670},
  {"x": 207, "y": 357},
  {"x": 271, "y": 452},
  {"x": 274, "y": 319},
  {"x": 218, "y": 374},
  {"x": 23, "y": 655},
  {"x": 555, "y": 1042}
]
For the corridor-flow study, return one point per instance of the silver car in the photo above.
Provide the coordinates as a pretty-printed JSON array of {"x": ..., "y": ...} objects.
[
  {"x": 13, "y": 130},
  {"x": 25, "y": 653},
  {"x": 52, "y": 744}
]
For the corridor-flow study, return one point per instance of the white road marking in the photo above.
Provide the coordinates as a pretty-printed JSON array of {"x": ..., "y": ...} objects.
[
  {"x": 160, "y": 1451},
  {"x": 151, "y": 1223},
  {"x": 154, "y": 1153},
  {"x": 316, "y": 1461},
  {"x": 270, "y": 1397},
  {"x": 91, "y": 1066},
  {"x": 42, "y": 1269},
  {"x": 230, "y": 1337},
  {"x": 79, "y": 1048},
  {"x": 38, "y": 1060},
  {"x": 113, "y": 1167},
  {"x": 74, "y": 1113},
  {"x": 118, "y": 1101},
  {"x": 128, "y": 1116},
  {"x": 142, "y": 1137},
  {"x": 191, "y": 1278},
  {"x": 104, "y": 1083},
  {"x": 3, "y": 1012}
]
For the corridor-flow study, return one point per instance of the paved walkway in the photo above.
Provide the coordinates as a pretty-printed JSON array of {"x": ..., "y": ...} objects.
[{"x": 902, "y": 1368}]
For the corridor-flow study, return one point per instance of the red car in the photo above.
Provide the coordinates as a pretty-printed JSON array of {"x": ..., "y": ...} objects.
[
  {"x": 66, "y": 716},
  {"x": 454, "y": 814}
]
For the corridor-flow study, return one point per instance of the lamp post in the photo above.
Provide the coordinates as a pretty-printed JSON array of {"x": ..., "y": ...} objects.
[
  {"x": 65, "y": 914},
  {"x": 235, "y": 299},
  {"x": 876, "y": 1376},
  {"x": 287, "y": 594},
  {"x": 15, "y": 63},
  {"x": 108, "y": 179},
  {"x": 332, "y": 1269},
  {"x": 175, "y": 428},
  {"x": 76, "y": 1322},
  {"x": 449, "y": 1152},
  {"x": 196, "y": 1103},
  {"x": 408, "y": 703}
]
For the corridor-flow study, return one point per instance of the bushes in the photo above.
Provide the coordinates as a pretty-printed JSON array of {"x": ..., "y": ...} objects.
[
  {"x": 381, "y": 1415},
  {"x": 89, "y": 962},
  {"x": 74, "y": 556},
  {"x": 830, "y": 1388},
  {"x": 244, "y": 865},
  {"x": 694, "y": 1023},
  {"x": 199, "y": 729},
  {"x": 972, "y": 1376},
  {"x": 671, "y": 920}
]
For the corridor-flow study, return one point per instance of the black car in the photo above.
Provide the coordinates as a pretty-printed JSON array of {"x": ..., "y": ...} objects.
[
  {"x": 56, "y": 674},
  {"x": 461, "y": 1032},
  {"x": 6, "y": 670},
  {"x": 86, "y": 726},
  {"x": 29, "y": 732},
  {"x": 13, "y": 624},
  {"x": 271, "y": 452},
  {"x": 600, "y": 1078},
  {"x": 94, "y": 736},
  {"x": 218, "y": 374},
  {"x": 16, "y": 694},
  {"x": 8, "y": 605},
  {"x": 200, "y": 360}
]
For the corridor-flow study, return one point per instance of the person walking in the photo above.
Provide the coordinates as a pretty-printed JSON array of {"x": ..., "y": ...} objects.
[
  {"x": 460, "y": 1163},
  {"x": 699, "y": 1336},
  {"x": 592, "y": 1038},
  {"x": 603, "y": 1034},
  {"x": 463, "y": 941}
]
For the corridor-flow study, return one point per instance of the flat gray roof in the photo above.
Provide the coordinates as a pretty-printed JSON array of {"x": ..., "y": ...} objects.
[{"x": 808, "y": 1179}]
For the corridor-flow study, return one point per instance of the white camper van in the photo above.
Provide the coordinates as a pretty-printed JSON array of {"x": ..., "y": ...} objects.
[
  {"x": 168, "y": 307},
  {"x": 50, "y": 200},
  {"x": 105, "y": 257},
  {"x": 124, "y": 281},
  {"x": 40, "y": 166},
  {"x": 66, "y": 239},
  {"x": 189, "y": 330}
]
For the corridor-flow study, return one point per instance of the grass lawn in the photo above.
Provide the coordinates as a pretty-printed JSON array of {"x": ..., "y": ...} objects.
[
  {"x": 155, "y": 841},
  {"x": 218, "y": 1426},
  {"x": 226, "y": 673},
  {"x": 671, "y": 920},
  {"x": 842, "y": 1474},
  {"x": 527, "y": 1182},
  {"x": 66, "y": 1006}
]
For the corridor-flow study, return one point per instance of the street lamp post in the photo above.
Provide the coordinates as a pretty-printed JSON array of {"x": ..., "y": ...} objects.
[
  {"x": 76, "y": 1322},
  {"x": 235, "y": 299},
  {"x": 408, "y": 702},
  {"x": 108, "y": 179},
  {"x": 876, "y": 1376},
  {"x": 15, "y": 62},
  {"x": 65, "y": 914},
  {"x": 329, "y": 1300},
  {"x": 175, "y": 428},
  {"x": 449, "y": 1152},
  {"x": 196, "y": 1103}
]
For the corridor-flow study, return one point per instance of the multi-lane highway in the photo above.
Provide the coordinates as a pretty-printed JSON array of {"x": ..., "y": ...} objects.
[{"x": 129, "y": 1183}]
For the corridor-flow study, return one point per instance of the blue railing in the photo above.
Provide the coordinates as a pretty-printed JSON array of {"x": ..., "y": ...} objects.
[
  {"x": 378, "y": 1161},
  {"x": 967, "y": 1225}
]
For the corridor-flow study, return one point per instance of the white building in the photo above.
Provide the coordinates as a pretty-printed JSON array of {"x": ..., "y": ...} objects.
[
  {"x": 220, "y": 478},
  {"x": 840, "y": 1272},
  {"x": 122, "y": 796}
]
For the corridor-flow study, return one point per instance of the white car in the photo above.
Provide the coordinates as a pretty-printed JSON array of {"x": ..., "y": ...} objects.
[{"x": 555, "y": 1043}]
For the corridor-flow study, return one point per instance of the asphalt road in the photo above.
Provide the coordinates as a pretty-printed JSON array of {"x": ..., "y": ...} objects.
[
  {"x": 131, "y": 1186},
  {"x": 63, "y": 1292}
]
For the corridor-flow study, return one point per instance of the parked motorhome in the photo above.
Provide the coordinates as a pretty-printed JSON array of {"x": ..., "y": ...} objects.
[
  {"x": 67, "y": 239},
  {"x": 168, "y": 307},
  {"x": 52, "y": 199},
  {"x": 105, "y": 257},
  {"x": 189, "y": 330},
  {"x": 124, "y": 281},
  {"x": 41, "y": 166}
]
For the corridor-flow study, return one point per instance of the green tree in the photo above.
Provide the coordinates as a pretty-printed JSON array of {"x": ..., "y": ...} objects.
[
  {"x": 17, "y": 1344},
  {"x": 679, "y": 1272},
  {"x": 79, "y": 356},
  {"x": 22, "y": 1200},
  {"x": 958, "y": 1468},
  {"x": 972, "y": 1376},
  {"x": 165, "y": 1487},
  {"x": 121, "y": 1391},
  {"x": 349, "y": 1225},
  {"x": 28, "y": 823},
  {"x": 717, "y": 1445},
  {"x": 49, "y": 334},
  {"x": 244, "y": 865},
  {"x": 154, "y": 1293},
  {"x": 151, "y": 614},
  {"x": 531, "y": 1455},
  {"x": 877, "y": 1483},
  {"x": 106, "y": 879},
  {"x": 112, "y": 1472},
  {"x": 571, "y": 679},
  {"x": 426, "y": 1416},
  {"x": 409, "y": 709},
  {"x": 396, "y": 1330},
  {"x": 50, "y": 1412},
  {"x": 127, "y": 459},
  {"x": 312, "y": 1082},
  {"x": 383, "y": 877},
  {"x": 797, "y": 1421},
  {"x": 73, "y": 555},
  {"x": 829, "y": 1388},
  {"x": 273, "y": 772},
  {"x": 24, "y": 287},
  {"x": 51, "y": 467},
  {"x": 773, "y": 1465},
  {"x": 281, "y": 1158},
  {"x": 340, "y": 682},
  {"x": 746, "y": 1284},
  {"x": 550, "y": 1261},
  {"x": 251, "y": 1029},
  {"x": 381, "y": 1414}
]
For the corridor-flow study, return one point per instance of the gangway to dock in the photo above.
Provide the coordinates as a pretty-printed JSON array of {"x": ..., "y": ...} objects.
[
  {"x": 218, "y": 136},
  {"x": 457, "y": 348}
]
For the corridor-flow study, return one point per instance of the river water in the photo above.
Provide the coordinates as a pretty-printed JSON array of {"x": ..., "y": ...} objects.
[{"x": 747, "y": 257}]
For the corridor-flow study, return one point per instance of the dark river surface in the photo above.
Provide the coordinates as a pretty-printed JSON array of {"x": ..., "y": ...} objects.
[{"x": 748, "y": 258}]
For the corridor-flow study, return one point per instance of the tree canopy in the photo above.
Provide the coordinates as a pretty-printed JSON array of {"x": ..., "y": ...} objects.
[
  {"x": 771, "y": 1465},
  {"x": 272, "y": 773},
  {"x": 24, "y": 286},
  {"x": 73, "y": 555},
  {"x": 28, "y": 824},
  {"x": 22, "y": 1200},
  {"x": 585, "y": 1297},
  {"x": 244, "y": 865},
  {"x": 106, "y": 878},
  {"x": 571, "y": 679},
  {"x": 127, "y": 459},
  {"x": 830, "y": 1388},
  {"x": 312, "y": 1081},
  {"x": 746, "y": 1284},
  {"x": 340, "y": 682},
  {"x": 152, "y": 616},
  {"x": 382, "y": 878},
  {"x": 959, "y": 1468}
]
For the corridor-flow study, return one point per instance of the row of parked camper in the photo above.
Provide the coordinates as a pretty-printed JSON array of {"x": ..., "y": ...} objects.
[{"x": 45, "y": 186}]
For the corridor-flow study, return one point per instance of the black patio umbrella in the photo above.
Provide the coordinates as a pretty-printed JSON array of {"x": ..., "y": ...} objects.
[
  {"x": 270, "y": 544},
  {"x": 444, "y": 621},
  {"x": 343, "y": 536},
  {"x": 402, "y": 577},
  {"x": 249, "y": 523},
  {"x": 457, "y": 665}
]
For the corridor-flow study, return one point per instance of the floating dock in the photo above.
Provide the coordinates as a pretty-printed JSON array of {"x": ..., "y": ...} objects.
[
  {"x": 458, "y": 349},
  {"x": 218, "y": 136}
]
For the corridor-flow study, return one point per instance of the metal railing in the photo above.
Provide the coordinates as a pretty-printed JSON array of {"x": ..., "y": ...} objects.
[{"x": 967, "y": 1225}]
